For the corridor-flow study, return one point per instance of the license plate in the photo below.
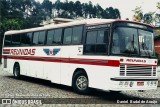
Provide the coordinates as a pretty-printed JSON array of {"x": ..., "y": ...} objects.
[{"x": 140, "y": 83}]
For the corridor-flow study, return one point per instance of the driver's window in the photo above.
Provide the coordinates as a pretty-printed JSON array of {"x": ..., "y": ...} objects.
[{"x": 96, "y": 42}]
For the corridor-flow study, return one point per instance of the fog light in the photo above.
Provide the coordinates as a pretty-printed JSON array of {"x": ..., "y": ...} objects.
[
  {"x": 121, "y": 83},
  {"x": 126, "y": 83},
  {"x": 155, "y": 83},
  {"x": 151, "y": 83},
  {"x": 148, "y": 82},
  {"x": 131, "y": 84}
]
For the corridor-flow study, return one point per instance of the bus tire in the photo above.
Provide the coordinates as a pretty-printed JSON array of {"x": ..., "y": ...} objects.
[
  {"x": 80, "y": 82},
  {"x": 16, "y": 71}
]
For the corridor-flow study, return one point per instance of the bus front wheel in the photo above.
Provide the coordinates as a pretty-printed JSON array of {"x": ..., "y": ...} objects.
[
  {"x": 80, "y": 82},
  {"x": 16, "y": 71}
]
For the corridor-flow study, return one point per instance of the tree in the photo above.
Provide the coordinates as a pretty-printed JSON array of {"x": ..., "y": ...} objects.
[
  {"x": 138, "y": 14},
  {"x": 11, "y": 24},
  {"x": 58, "y": 7},
  {"x": 99, "y": 11},
  {"x": 117, "y": 13},
  {"x": 149, "y": 18},
  {"x": 86, "y": 10},
  {"x": 47, "y": 7},
  {"x": 78, "y": 9}
]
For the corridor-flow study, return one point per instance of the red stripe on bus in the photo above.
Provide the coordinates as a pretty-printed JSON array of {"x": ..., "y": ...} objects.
[
  {"x": 100, "y": 62},
  {"x": 6, "y": 50}
]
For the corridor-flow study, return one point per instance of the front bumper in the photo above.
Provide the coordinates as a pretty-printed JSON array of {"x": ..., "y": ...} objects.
[{"x": 133, "y": 83}]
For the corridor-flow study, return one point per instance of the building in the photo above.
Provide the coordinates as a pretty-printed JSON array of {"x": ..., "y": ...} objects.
[{"x": 157, "y": 40}]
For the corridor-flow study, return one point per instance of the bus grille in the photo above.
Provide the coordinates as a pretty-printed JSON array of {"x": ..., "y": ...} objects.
[
  {"x": 128, "y": 70},
  {"x": 154, "y": 71}
]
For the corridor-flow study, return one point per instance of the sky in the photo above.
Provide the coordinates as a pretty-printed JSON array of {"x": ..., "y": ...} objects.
[{"x": 125, "y": 6}]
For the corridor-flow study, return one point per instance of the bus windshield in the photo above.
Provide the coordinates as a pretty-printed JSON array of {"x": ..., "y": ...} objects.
[{"x": 132, "y": 41}]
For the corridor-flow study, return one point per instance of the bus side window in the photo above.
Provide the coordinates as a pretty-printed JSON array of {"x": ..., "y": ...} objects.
[
  {"x": 26, "y": 39},
  {"x": 16, "y": 40},
  {"x": 50, "y": 35},
  {"x": 77, "y": 34},
  {"x": 90, "y": 42},
  {"x": 57, "y": 36},
  {"x": 23, "y": 39},
  {"x": 67, "y": 36},
  {"x": 41, "y": 37},
  {"x": 7, "y": 41},
  {"x": 35, "y": 38},
  {"x": 29, "y": 38}
]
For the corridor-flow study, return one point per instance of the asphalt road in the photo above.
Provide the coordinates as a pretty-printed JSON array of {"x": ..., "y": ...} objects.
[{"x": 28, "y": 87}]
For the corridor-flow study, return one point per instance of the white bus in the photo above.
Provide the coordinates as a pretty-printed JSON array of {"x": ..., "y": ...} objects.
[{"x": 104, "y": 54}]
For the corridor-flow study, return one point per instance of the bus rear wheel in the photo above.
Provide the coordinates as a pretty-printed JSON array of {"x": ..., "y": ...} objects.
[
  {"x": 80, "y": 82},
  {"x": 16, "y": 71}
]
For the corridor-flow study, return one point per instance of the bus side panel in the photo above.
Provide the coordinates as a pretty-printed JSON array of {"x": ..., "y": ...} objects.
[
  {"x": 5, "y": 64},
  {"x": 35, "y": 69},
  {"x": 99, "y": 76},
  {"x": 52, "y": 67},
  {"x": 2, "y": 66},
  {"x": 35, "y": 63},
  {"x": 52, "y": 72},
  {"x": 67, "y": 67},
  {"x": 10, "y": 65}
]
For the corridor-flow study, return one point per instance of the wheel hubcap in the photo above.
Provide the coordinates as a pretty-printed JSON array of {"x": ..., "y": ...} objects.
[{"x": 82, "y": 82}]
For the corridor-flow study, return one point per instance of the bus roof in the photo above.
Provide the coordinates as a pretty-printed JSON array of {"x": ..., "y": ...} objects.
[{"x": 86, "y": 22}]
